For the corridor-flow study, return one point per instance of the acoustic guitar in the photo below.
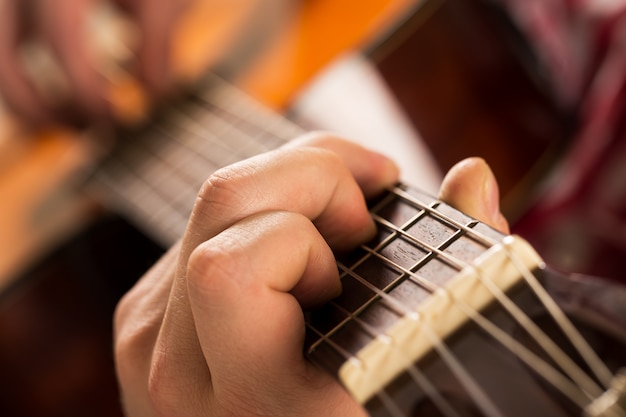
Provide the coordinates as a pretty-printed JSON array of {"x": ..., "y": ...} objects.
[{"x": 441, "y": 315}]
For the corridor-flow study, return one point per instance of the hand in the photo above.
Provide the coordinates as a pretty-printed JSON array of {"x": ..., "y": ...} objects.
[
  {"x": 62, "y": 26},
  {"x": 216, "y": 327}
]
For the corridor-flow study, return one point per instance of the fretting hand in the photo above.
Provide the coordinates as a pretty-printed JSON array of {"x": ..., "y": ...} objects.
[{"x": 216, "y": 327}]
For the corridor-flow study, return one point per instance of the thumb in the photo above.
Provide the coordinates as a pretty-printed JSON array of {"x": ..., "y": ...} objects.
[{"x": 471, "y": 187}]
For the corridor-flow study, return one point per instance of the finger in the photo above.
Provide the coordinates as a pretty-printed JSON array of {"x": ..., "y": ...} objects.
[
  {"x": 17, "y": 90},
  {"x": 64, "y": 25},
  {"x": 250, "y": 323},
  {"x": 137, "y": 321},
  {"x": 157, "y": 25},
  {"x": 304, "y": 179},
  {"x": 372, "y": 171},
  {"x": 471, "y": 187}
]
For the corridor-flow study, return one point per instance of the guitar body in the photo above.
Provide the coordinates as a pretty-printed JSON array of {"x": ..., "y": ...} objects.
[{"x": 75, "y": 290}]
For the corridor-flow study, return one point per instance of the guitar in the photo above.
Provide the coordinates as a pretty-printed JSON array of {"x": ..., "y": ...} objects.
[
  {"x": 401, "y": 255},
  {"x": 422, "y": 303}
]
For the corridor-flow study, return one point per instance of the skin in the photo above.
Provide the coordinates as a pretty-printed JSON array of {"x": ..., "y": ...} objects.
[
  {"x": 60, "y": 24},
  {"x": 215, "y": 328}
]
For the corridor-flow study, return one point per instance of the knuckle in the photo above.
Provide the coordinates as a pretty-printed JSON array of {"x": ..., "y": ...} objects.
[
  {"x": 208, "y": 263},
  {"x": 133, "y": 338},
  {"x": 220, "y": 195}
]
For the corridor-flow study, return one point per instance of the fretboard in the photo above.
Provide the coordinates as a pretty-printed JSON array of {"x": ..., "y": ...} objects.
[
  {"x": 154, "y": 174},
  {"x": 430, "y": 270}
]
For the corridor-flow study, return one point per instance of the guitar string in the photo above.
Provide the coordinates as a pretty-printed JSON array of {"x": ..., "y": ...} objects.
[
  {"x": 393, "y": 410},
  {"x": 550, "y": 347},
  {"x": 541, "y": 366},
  {"x": 194, "y": 139},
  {"x": 574, "y": 336},
  {"x": 416, "y": 375},
  {"x": 597, "y": 366},
  {"x": 481, "y": 399}
]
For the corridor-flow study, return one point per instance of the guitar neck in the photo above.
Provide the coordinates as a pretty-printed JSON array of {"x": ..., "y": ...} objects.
[
  {"x": 153, "y": 176},
  {"x": 431, "y": 270}
]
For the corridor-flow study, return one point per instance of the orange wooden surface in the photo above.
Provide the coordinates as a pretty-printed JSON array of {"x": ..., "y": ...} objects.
[
  {"x": 319, "y": 32},
  {"x": 36, "y": 208}
]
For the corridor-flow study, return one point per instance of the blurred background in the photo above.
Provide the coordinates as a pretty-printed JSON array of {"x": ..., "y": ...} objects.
[{"x": 534, "y": 87}]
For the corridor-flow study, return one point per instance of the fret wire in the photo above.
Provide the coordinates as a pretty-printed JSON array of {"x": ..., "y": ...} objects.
[
  {"x": 373, "y": 332},
  {"x": 326, "y": 338},
  {"x": 423, "y": 283},
  {"x": 600, "y": 370},
  {"x": 378, "y": 295},
  {"x": 470, "y": 231},
  {"x": 457, "y": 264},
  {"x": 433, "y": 252},
  {"x": 351, "y": 317},
  {"x": 396, "y": 306}
]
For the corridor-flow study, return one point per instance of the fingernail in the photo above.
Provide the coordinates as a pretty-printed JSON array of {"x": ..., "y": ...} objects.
[{"x": 491, "y": 196}]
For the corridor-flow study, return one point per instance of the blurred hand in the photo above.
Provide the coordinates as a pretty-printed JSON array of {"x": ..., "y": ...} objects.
[
  {"x": 216, "y": 327},
  {"x": 63, "y": 27}
]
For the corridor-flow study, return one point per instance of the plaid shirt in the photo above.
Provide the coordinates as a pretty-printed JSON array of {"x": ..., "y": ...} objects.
[{"x": 579, "y": 222}]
